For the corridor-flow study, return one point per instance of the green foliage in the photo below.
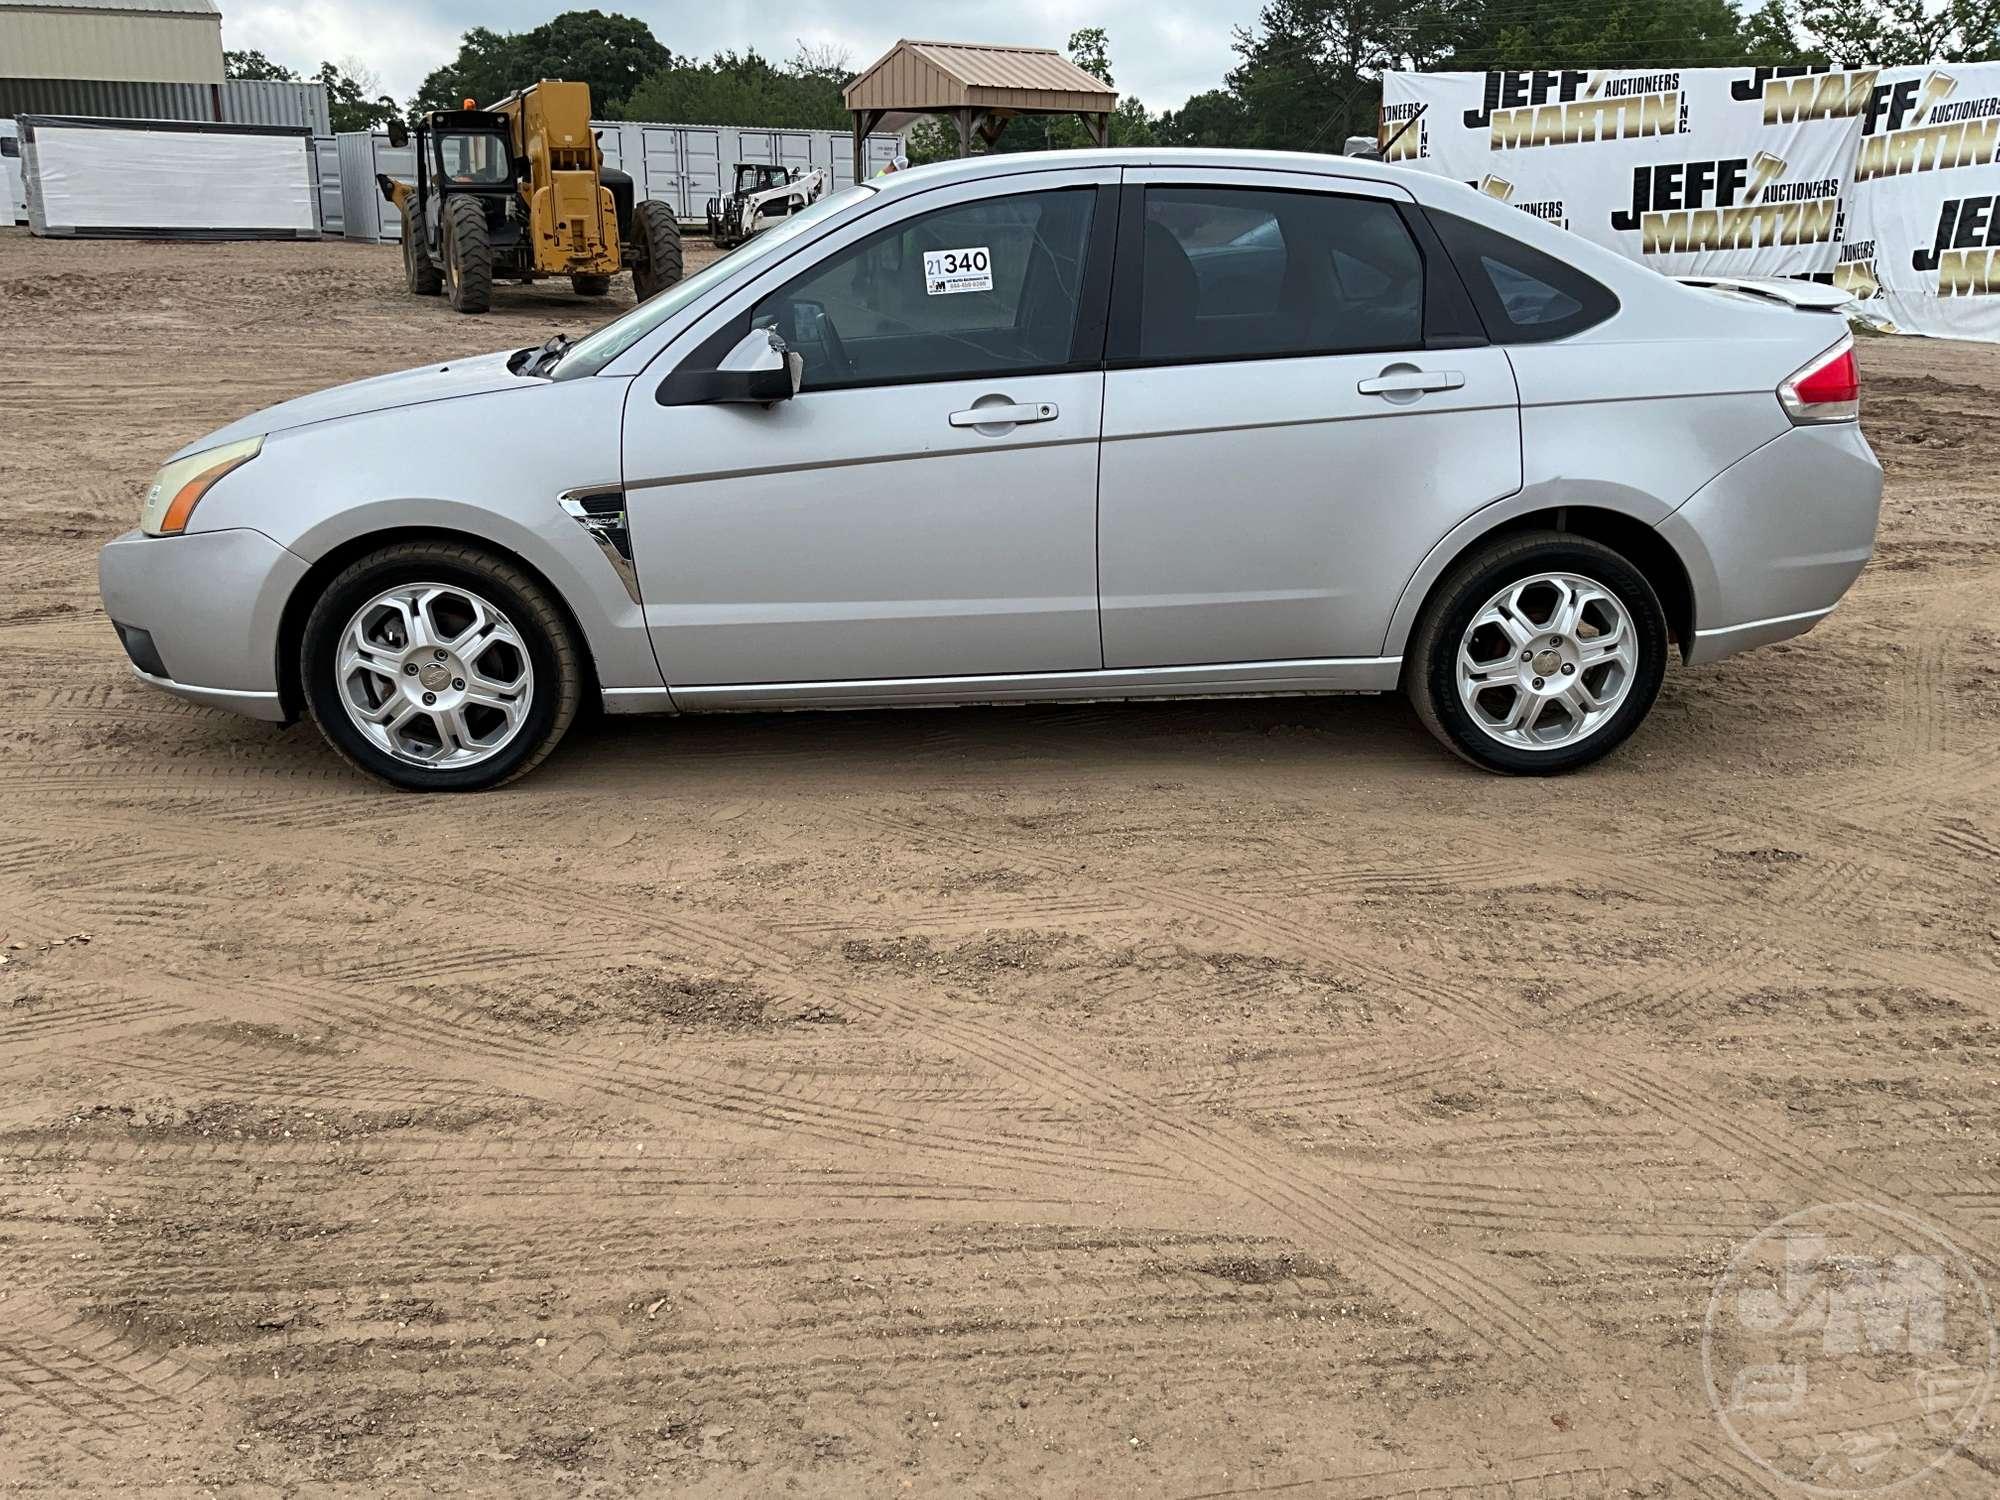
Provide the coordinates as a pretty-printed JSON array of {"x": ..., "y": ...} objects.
[
  {"x": 349, "y": 100},
  {"x": 746, "y": 89},
  {"x": 1904, "y": 32},
  {"x": 611, "y": 53},
  {"x": 1311, "y": 70},
  {"x": 255, "y": 65},
  {"x": 1216, "y": 118},
  {"x": 1090, "y": 50},
  {"x": 353, "y": 94}
]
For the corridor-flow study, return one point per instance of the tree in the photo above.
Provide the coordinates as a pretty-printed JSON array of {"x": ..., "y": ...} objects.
[
  {"x": 1771, "y": 38},
  {"x": 1215, "y": 118},
  {"x": 1617, "y": 34},
  {"x": 349, "y": 87},
  {"x": 255, "y": 65},
  {"x": 748, "y": 89},
  {"x": 1903, "y": 33},
  {"x": 612, "y": 53},
  {"x": 1090, "y": 50},
  {"x": 1312, "y": 70}
]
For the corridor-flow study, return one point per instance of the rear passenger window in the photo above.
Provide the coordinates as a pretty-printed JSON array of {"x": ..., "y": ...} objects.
[
  {"x": 1523, "y": 295},
  {"x": 1249, "y": 273}
]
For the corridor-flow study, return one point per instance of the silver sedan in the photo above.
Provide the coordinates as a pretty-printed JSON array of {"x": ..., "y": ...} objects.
[{"x": 1039, "y": 427}]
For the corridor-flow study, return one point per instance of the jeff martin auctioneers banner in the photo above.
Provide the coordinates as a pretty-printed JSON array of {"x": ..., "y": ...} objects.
[{"x": 1882, "y": 181}]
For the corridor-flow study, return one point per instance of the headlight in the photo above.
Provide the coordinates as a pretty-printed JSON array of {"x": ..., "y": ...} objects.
[{"x": 178, "y": 488}]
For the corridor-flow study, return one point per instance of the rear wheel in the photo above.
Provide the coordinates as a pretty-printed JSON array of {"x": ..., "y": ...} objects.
[
  {"x": 419, "y": 272},
  {"x": 439, "y": 667},
  {"x": 1538, "y": 654},
  {"x": 589, "y": 284},
  {"x": 468, "y": 256},
  {"x": 657, "y": 236}
]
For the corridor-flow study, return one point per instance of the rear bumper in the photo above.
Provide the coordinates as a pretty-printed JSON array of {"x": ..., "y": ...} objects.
[
  {"x": 1727, "y": 640},
  {"x": 266, "y": 706},
  {"x": 198, "y": 614},
  {"x": 1773, "y": 542}
]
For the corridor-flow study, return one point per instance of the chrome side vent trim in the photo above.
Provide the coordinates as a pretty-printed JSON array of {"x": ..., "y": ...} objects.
[{"x": 601, "y": 512}]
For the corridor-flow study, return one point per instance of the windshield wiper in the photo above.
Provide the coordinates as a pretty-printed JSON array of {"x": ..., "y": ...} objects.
[{"x": 545, "y": 358}]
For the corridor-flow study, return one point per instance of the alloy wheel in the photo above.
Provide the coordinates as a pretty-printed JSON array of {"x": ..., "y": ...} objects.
[
  {"x": 435, "y": 675},
  {"x": 1547, "y": 661}
]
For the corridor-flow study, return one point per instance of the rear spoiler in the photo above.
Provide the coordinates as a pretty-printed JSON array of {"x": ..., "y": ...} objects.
[{"x": 1805, "y": 296}]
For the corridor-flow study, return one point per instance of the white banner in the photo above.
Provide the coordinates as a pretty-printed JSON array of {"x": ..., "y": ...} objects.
[
  {"x": 1881, "y": 181},
  {"x": 1923, "y": 231}
]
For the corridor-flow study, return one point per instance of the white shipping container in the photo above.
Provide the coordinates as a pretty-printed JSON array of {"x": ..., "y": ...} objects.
[
  {"x": 364, "y": 213},
  {"x": 170, "y": 178},
  {"x": 326, "y": 157},
  {"x": 684, "y": 165},
  {"x": 10, "y": 159}
]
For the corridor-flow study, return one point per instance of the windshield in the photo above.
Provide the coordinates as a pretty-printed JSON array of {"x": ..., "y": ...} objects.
[
  {"x": 613, "y": 339},
  {"x": 474, "y": 157}
]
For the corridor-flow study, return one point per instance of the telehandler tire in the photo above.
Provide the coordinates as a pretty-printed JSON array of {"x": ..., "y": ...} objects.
[
  {"x": 468, "y": 256},
  {"x": 589, "y": 284},
  {"x": 658, "y": 236},
  {"x": 418, "y": 271}
]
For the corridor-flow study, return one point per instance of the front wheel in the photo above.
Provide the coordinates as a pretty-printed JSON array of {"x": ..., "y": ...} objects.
[
  {"x": 1539, "y": 653},
  {"x": 439, "y": 667},
  {"x": 468, "y": 255},
  {"x": 657, "y": 248},
  {"x": 419, "y": 274}
]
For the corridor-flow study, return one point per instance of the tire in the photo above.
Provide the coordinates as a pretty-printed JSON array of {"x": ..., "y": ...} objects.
[
  {"x": 657, "y": 263},
  {"x": 590, "y": 284},
  {"x": 419, "y": 273},
  {"x": 1521, "y": 652},
  {"x": 468, "y": 256},
  {"x": 527, "y": 640}
]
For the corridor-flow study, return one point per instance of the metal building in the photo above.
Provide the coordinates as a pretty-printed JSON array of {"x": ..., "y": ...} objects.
[
  {"x": 236, "y": 101},
  {"x": 126, "y": 41}
]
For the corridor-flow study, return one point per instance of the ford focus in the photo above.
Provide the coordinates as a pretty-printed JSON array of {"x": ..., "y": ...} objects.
[{"x": 1100, "y": 425}]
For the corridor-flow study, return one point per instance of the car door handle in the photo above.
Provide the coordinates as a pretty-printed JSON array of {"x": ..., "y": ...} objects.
[
  {"x": 1409, "y": 382},
  {"x": 1005, "y": 414}
]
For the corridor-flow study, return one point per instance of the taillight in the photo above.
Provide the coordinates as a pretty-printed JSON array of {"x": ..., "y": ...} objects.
[{"x": 1826, "y": 390}]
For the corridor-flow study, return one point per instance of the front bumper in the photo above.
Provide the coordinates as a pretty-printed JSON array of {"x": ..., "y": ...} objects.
[
  {"x": 199, "y": 614},
  {"x": 1773, "y": 542}
]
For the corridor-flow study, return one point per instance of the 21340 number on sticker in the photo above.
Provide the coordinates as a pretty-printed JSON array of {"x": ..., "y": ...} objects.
[{"x": 948, "y": 271}]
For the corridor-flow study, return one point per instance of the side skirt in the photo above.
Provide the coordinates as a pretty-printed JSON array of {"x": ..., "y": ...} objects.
[{"x": 1373, "y": 674}]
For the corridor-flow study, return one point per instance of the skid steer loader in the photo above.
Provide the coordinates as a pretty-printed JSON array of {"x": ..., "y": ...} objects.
[
  {"x": 520, "y": 191},
  {"x": 763, "y": 194}
]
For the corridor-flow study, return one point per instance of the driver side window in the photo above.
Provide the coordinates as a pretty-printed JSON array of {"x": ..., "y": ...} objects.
[{"x": 974, "y": 289}]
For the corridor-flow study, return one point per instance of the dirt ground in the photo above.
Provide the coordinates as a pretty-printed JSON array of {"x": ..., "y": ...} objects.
[{"x": 1220, "y": 1098}]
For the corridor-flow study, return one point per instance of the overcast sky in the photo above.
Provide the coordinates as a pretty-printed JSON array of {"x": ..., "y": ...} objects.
[{"x": 1161, "y": 50}]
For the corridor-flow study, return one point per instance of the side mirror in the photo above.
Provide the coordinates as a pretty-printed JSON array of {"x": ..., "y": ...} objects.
[
  {"x": 761, "y": 370},
  {"x": 399, "y": 134}
]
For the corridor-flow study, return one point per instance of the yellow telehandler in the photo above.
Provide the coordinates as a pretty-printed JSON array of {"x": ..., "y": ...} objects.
[{"x": 520, "y": 190}]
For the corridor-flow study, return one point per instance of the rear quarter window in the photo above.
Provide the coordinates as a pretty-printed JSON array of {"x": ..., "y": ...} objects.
[{"x": 1523, "y": 295}]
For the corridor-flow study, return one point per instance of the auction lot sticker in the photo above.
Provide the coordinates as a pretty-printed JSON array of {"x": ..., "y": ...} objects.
[
  {"x": 1850, "y": 1349},
  {"x": 947, "y": 271}
]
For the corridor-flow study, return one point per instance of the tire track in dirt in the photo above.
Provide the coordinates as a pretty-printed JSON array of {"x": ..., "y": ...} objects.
[
  {"x": 1462, "y": 1295},
  {"x": 1743, "y": 1140},
  {"x": 63, "y": 1374}
]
